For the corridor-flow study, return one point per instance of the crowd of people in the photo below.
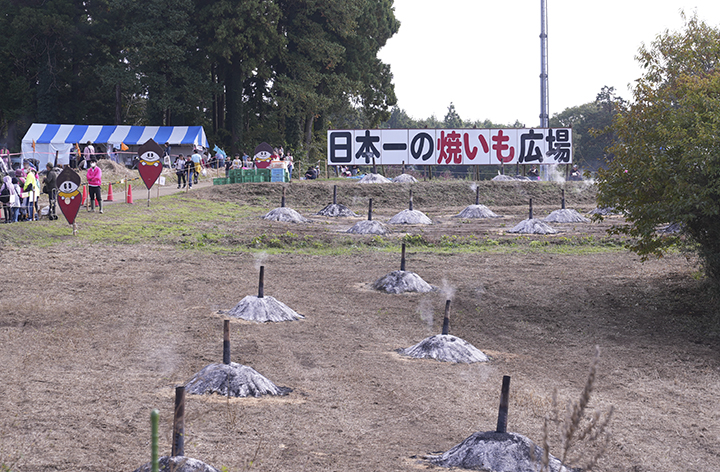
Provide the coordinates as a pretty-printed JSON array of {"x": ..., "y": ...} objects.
[{"x": 21, "y": 189}]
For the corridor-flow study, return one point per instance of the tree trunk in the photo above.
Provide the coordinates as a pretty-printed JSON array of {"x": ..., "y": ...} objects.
[
  {"x": 118, "y": 104},
  {"x": 235, "y": 103},
  {"x": 309, "y": 131}
]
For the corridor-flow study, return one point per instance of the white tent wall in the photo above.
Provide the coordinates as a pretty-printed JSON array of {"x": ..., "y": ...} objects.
[{"x": 45, "y": 153}]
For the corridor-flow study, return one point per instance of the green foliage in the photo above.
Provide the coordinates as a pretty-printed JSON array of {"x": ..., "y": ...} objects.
[
  {"x": 249, "y": 71},
  {"x": 667, "y": 159},
  {"x": 591, "y": 124}
]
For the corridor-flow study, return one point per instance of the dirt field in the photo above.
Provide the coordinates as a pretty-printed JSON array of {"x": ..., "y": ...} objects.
[{"x": 93, "y": 336}]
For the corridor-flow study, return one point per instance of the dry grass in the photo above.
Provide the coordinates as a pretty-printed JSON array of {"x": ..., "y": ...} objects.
[{"x": 581, "y": 436}]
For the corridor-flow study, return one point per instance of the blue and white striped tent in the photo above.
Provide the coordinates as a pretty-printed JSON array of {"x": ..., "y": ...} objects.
[{"x": 43, "y": 140}]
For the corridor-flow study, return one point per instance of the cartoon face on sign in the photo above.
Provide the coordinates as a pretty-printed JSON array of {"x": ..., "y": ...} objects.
[
  {"x": 150, "y": 165},
  {"x": 69, "y": 196},
  {"x": 263, "y": 156}
]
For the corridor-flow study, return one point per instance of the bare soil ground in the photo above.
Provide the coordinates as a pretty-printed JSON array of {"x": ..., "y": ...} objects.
[{"x": 94, "y": 336}]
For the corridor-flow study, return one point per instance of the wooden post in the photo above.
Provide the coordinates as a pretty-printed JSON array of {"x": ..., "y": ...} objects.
[
  {"x": 178, "y": 445},
  {"x": 530, "y": 213},
  {"x": 504, "y": 402},
  {"x": 282, "y": 201},
  {"x": 154, "y": 459},
  {"x": 563, "y": 199},
  {"x": 334, "y": 194},
  {"x": 370, "y": 210},
  {"x": 148, "y": 197},
  {"x": 446, "y": 320},
  {"x": 261, "y": 285},
  {"x": 402, "y": 258},
  {"x": 411, "y": 200},
  {"x": 226, "y": 342}
]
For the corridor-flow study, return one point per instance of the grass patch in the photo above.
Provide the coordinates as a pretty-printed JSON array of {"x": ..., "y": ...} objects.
[{"x": 192, "y": 223}]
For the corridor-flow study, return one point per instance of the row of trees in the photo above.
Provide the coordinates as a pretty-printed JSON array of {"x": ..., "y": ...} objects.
[
  {"x": 247, "y": 70},
  {"x": 281, "y": 71}
]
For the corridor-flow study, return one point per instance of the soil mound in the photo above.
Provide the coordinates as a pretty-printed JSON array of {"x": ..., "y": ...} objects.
[
  {"x": 285, "y": 214},
  {"x": 373, "y": 179},
  {"x": 335, "y": 210},
  {"x": 178, "y": 464},
  {"x": 368, "y": 227},
  {"x": 499, "y": 452},
  {"x": 234, "y": 380},
  {"x": 109, "y": 166},
  {"x": 445, "y": 348},
  {"x": 671, "y": 229},
  {"x": 477, "y": 211},
  {"x": 533, "y": 226},
  {"x": 604, "y": 211},
  {"x": 252, "y": 308},
  {"x": 404, "y": 178},
  {"x": 565, "y": 216},
  {"x": 401, "y": 281},
  {"x": 410, "y": 217},
  {"x": 508, "y": 178}
]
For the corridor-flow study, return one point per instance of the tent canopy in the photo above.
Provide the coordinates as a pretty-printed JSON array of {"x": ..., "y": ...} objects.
[{"x": 43, "y": 140}]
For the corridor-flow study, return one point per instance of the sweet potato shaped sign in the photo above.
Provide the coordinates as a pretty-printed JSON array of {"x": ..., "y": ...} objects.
[
  {"x": 150, "y": 165},
  {"x": 69, "y": 195}
]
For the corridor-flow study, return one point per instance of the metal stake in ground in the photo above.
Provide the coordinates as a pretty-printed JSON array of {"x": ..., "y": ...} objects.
[
  {"x": 178, "y": 445},
  {"x": 334, "y": 194},
  {"x": 477, "y": 195},
  {"x": 504, "y": 402},
  {"x": 261, "y": 285},
  {"x": 226, "y": 342},
  {"x": 563, "y": 199},
  {"x": 370, "y": 210},
  {"x": 402, "y": 258},
  {"x": 411, "y": 200},
  {"x": 446, "y": 320},
  {"x": 282, "y": 201},
  {"x": 530, "y": 215}
]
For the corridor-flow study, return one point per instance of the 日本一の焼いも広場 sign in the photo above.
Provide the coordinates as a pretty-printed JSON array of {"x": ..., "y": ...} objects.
[{"x": 450, "y": 146}]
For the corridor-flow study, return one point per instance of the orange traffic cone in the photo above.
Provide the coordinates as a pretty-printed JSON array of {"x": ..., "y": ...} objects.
[
  {"x": 128, "y": 199},
  {"x": 84, "y": 195},
  {"x": 110, "y": 195}
]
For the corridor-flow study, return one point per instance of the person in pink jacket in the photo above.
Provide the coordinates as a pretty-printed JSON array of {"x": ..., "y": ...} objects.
[{"x": 94, "y": 180}]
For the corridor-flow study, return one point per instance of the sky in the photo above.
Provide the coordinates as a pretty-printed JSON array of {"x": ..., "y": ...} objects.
[{"x": 484, "y": 56}]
